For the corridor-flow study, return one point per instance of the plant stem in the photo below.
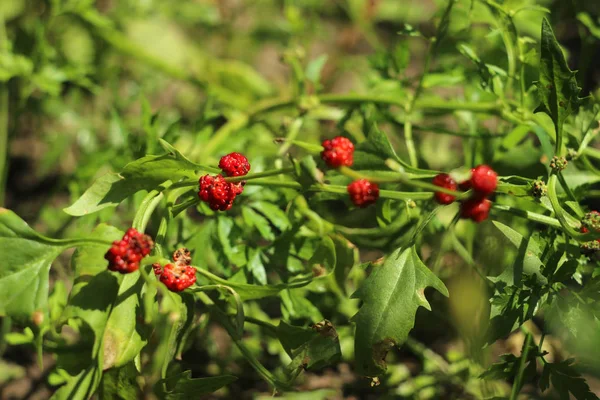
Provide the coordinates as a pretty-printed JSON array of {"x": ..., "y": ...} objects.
[
  {"x": 3, "y": 139},
  {"x": 291, "y": 136},
  {"x": 384, "y": 194},
  {"x": 3, "y": 117},
  {"x": 272, "y": 172},
  {"x": 403, "y": 179},
  {"x": 518, "y": 383},
  {"x": 264, "y": 324},
  {"x": 535, "y": 217},
  {"x": 222, "y": 318},
  {"x": 566, "y": 187}
]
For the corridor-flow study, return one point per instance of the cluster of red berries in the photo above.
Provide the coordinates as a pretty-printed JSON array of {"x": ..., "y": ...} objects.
[
  {"x": 339, "y": 152},
  {"x": 363, "y": 193},
  {"x": 180, "y": 274},
  {"x": 125, "y": 255},
  {"x": 483, "y": 182},
  {"x": 216, "y": 191}
]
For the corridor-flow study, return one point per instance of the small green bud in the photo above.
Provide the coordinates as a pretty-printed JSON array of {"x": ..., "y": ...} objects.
[
  {"x": 572, "y": 154},
  {"x": 538, "y": 188},
  {"x": 558, "y": 163},
  {"x": 591, "y": 221}
]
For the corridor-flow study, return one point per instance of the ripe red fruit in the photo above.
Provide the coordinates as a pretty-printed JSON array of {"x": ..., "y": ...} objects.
[
  {"x": 476, "y": 209},
  {"x": 445, "y": 181},
  {"x": 125, "y": 255},
  {"x": 338, "y": 152},
  {"x": 363, "y": 193},
  {"x": 234, "y": 164},
  {"x": 176, "y": 277},
  {"x": 484, "y": 180},
  {"x": 217, "y": 192}
]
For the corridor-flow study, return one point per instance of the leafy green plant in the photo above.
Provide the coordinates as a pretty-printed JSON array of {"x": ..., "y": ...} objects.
[{"x": 307, "y": 253}]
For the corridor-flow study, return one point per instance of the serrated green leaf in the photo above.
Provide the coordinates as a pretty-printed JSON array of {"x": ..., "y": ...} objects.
[
  {"x": 26, "y": 259},
  {"x": 566, "y": 379},
  {"x": 183, "y": 387},
  {"x": 391, "y": 296},
  {"x": 557, "y": 85}
]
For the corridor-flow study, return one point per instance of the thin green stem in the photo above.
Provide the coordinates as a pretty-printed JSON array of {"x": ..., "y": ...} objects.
[
  {"x": 3, "y": 138},
  {"x": 222, "y": 318},
  {"x": 535, "y": 217},
  {"x": 3, "y": 116},
  {"x": 404, "y": 180},
  {"x": 518, "y": 383},
  {"x": 264, "y": 174},
  {"x": 566, "y": 187},
  {"x": 291, "y": 136},
  {"x": 272, "y": 329},
  {"x": 384, "y": 194}
]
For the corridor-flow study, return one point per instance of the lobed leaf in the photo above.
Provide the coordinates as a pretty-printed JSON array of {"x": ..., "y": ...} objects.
[{"x": 391, "y": 296}]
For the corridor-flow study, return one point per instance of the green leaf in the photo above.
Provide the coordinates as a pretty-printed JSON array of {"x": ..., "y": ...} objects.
[
  {"x": 273, "y": 213},
  {"x": 26, "y": 259},
  {"x": 120, "y": 384},
  {"x": 90, "y": 303},
  {"x": 314, "y": 68},
  {"x": 146, "y": 173},
  {"x": 183, "y": 387},
  {"x": 593, "y": 27},
  {"x": 557, "y": 85},
  {"x": 565, "y": 380},
  {"x": 124, "y": 336},
  {"x": 252, "y": 218},
  {"x": 373, "y": 152},
  {"x": 527, "y": 261},
  {"x": 294, "y": 305},
  {"x": 391, "y": 296},
  {"x": 176, "y": 318},
  {"x": 310, "y": 349}
]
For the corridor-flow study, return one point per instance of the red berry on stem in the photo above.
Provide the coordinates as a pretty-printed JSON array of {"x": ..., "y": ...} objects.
[
  {"x": 125, "y": 255},
  {"x": 217, "y": 192},
  {"x": 338, "y": 152},
  {"x": 476, "y": 209},
  {"x": 178, "y": 277},
  {"x": 363, "y": 193},
  {"x": 445, "y": 181},
  {"x": 484, "y": 180},
  {"x": 234, "y": 164}
]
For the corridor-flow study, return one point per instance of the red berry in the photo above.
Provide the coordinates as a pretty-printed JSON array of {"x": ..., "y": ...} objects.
[
  {"x": 445, "y": 181},
  {"x": 217, "y": 192},
  {"x": 338, "y": 152},
  {"x": 234, "y": 164},
  {"x": 363, "y": 193},
  {"x": 476, "y": 209},
  {"x": 484, "y": 180},
  {"x": 125, "y": 255},
  {"x": 177, "y": 277}
]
